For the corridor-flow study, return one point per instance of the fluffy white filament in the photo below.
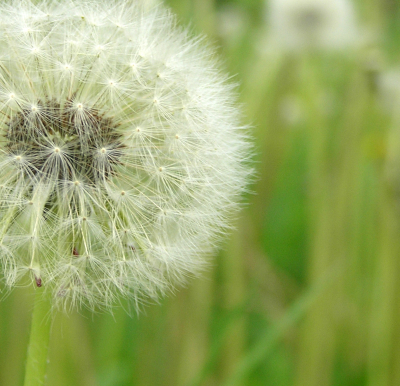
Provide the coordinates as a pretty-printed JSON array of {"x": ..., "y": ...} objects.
[{"x": 121, "y": 151}]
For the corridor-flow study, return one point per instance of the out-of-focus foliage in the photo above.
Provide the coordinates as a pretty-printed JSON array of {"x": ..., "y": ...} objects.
[{"x": 306, "y": 290}]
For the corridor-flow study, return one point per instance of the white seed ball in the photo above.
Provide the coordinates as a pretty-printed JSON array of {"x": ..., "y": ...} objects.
[{"x": 105, "y": 219}]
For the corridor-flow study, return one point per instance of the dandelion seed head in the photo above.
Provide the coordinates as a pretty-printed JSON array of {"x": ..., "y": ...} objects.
[
  {"x": 122, "y": 156},
  {"x": 303, "y": 24}
]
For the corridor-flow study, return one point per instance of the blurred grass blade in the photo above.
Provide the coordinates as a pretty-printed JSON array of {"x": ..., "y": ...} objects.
[{"x": 258, "y": 353}]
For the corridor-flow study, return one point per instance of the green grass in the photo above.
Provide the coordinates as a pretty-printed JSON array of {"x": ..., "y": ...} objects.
[{"x": 306, "y": 290}]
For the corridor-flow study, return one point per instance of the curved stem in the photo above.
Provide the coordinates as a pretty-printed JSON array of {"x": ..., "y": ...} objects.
[{"x": 35, "y": 372}]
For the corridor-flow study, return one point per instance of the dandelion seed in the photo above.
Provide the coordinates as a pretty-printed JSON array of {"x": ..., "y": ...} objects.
[{"x": 100, "y": 196}]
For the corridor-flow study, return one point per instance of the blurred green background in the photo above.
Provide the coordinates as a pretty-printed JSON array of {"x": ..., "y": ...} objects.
[{"x": 306, "y": 290}]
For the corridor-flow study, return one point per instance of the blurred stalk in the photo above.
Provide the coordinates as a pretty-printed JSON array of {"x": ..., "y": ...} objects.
[
  {"x": 317, "y": 336},
  {"x": 335, "y": 165},
  {"x": 269, "y": 78},
  {"x": 382, "y": 323},
  {"x": 385, "y": 302},
  {"x": 347, "y": 309},
  {"x": 391, "y": 184},
  {"x": 234, "y": 294},
  {"x": 196, "y": 306}
]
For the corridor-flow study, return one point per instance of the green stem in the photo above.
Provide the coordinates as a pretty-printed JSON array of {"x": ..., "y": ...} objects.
[{"x": 36, "y": 363}]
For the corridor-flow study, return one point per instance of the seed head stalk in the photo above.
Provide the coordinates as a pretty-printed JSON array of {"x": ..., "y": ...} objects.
[{"x": 36, "y": 363}]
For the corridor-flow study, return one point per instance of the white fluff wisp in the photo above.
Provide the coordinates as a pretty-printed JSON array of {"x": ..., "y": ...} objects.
[{"x": 122, "y": 155}]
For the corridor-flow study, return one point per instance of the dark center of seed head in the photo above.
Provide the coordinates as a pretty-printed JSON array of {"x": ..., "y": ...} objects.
[{"x": 80, "y": 141}]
